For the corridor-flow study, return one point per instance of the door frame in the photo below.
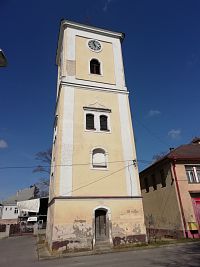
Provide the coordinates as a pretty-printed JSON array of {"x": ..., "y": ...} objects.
[{"x": 108, "y": 222}]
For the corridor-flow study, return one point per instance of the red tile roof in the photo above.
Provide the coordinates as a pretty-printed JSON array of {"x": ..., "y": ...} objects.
[
  {"x": 189, "y": 151},
  {"x": 184, "y": 152}
]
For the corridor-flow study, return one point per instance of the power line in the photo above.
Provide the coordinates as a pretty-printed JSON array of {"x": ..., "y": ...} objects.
[
  {"x": 66, "y": 165},
  {"x": 104, "y": 177},
  {"x": 152, "y": 133}
]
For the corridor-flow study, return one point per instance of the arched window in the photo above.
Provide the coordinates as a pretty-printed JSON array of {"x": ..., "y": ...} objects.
[
  {"x": 95, "y": 66},
  {"x": 90, "y": 122},
  {"x": 99, "y": 158},
  {"x": 103, "y": 123}
]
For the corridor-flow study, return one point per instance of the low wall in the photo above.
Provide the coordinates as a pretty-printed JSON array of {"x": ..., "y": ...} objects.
[
  {"x": 154, "y": 233},
  {"x": 5, "y": 230}
]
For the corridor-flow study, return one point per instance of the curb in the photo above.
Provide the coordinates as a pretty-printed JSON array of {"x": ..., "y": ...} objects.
[{"x": 116, "y": 250}]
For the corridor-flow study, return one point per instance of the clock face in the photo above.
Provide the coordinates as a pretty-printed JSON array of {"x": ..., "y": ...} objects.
[{"x": 94, "y": 45}]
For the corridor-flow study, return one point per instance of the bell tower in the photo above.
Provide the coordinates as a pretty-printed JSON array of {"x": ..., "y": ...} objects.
[{"x": 94, "y": 185}]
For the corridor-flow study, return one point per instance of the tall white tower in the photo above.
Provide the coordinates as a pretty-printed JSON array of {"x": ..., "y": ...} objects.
[{"x": 95, "y": 196}]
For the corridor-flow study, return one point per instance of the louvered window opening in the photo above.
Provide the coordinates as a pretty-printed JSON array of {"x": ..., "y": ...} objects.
[
  {"x": 90, "y": 122},
  {"x": 103, "y": 123},
  {"x": 95, "y": 67}
]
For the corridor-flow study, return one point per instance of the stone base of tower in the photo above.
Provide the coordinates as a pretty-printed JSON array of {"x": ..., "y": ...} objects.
[{"x": 84, "y": 223}]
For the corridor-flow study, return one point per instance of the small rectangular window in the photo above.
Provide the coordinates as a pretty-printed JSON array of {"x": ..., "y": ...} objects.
[
  {"x": 193, "y": 173},
  {"x": 190, "y": 174},
  {"x": 153, "y": 178},
  {"x": 163, "y": 178},
  {"x": 90, "y": 122},
  {"x": 16, "y": 210},
  {"x": 103, "y": 123},
  {"x": 198, "y": 173},
  {"x": 146, "y": 183}
]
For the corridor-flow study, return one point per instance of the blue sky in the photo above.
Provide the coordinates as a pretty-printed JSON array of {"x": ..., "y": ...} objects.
[{"x": 162, "y": 66}]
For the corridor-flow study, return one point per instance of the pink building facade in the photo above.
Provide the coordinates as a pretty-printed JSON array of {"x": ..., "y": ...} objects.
[{"x": 171, "y": 193}]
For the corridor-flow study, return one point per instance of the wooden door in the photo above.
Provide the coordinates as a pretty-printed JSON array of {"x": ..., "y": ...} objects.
[{"x": 100, "y": 225}]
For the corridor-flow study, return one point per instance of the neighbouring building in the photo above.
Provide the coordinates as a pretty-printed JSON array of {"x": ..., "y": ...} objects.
[
  {"x": 95, "y": 196},
  {"x": 9, "y": 210},
  {"x": 171, "y": 193},
  {"x": 36, "y": 208}
]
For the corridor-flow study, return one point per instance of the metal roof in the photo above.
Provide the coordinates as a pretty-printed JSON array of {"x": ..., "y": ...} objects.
[{"x": 24, "y": 194}]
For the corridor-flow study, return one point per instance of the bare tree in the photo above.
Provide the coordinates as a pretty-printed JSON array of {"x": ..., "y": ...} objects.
[
  {"x": 159, "y": 156},
  {"x": 45, "y": 167}
]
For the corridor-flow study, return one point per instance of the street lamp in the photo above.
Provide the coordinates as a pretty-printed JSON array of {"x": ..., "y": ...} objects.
[{"x": 3, "y": 60}]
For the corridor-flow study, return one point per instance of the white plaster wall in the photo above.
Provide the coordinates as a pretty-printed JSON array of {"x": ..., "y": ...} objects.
[
  {"x": 67, "y": 142},
  {"x": 128, "y": 151},
  {"x": 8, "y": 212}
]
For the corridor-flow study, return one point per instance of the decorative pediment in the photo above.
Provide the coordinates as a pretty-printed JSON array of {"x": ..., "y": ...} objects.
[{"x": 97, "y": 107}]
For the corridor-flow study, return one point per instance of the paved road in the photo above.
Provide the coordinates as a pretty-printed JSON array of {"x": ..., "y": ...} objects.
[{"x": 21, "y": 252}]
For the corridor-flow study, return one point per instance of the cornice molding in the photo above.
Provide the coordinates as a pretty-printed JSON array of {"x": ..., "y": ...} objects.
[
  {"x": 91, "y": 197},
  {"x": 88, "y": 28},
  {"x": 94, "y": 87}
]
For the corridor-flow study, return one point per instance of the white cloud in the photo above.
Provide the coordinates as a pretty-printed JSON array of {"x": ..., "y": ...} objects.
[
  {"x": 3, "y": 144},
  {"x": 153, "y": 113},
  {"x": 174, "y": 134},
  {"x": 105, "y": 8}
]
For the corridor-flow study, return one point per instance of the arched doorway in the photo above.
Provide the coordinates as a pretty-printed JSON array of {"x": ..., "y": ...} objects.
[{"x": 101, "y": 225}]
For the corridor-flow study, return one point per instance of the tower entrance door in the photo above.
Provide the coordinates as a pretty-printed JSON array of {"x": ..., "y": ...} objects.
[{"x": 101, "y": 225}]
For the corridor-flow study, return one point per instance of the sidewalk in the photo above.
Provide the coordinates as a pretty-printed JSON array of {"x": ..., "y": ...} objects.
[{"x": 44, "y": 254}]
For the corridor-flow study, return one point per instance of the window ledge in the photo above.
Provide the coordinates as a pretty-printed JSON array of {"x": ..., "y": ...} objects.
[
  {"x": 94, "y": 74},
  {"x": 99, "y": 169},
  {"x": 98, "y": 131}
]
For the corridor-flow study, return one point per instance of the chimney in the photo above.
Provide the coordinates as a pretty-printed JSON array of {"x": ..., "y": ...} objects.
[
  {"x": 196, "y": 140},
  {"x": 171, "y": 148}
]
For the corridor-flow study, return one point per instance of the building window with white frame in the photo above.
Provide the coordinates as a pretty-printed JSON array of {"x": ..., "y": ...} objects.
[
  {"x": 16, "y": 210},
  {"x": 90, "y": 121},
  {"x": 103, "y": 123},
  {"x": 97, "y": 119},
  {"x": 193, "y": 173},
  {"x": 99, "y": 158},
  {"x": 95, "y": 66}
]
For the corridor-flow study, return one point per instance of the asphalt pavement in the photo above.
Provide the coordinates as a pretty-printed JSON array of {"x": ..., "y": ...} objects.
[{"x": 21, "y": 252}]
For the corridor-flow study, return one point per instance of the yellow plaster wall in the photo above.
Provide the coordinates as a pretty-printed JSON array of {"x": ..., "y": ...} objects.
[
  {"x": 50, "y": 222},
  {"x": 161, "y": 206},
  {"x": 126, "y": 216},
  {"x": 83, "y": 57},
  {"x": 85, "y": 141}
]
